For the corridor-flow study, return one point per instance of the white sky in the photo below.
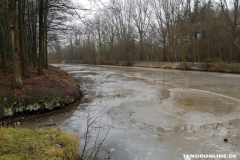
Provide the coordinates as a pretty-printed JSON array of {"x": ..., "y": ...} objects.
[{"x": 91, "y": 4}]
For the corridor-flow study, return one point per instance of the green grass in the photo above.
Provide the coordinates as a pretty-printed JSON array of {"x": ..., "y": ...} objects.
[{"x": 18, "y": 144}]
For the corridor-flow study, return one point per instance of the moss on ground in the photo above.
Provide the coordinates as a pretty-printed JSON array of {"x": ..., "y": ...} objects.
[
  {"x": 10, "y": 105},
  {"x": 16, "y": 144}
]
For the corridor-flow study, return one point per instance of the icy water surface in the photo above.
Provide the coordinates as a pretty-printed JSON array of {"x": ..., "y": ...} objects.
[{"x": 155, "y": 114}]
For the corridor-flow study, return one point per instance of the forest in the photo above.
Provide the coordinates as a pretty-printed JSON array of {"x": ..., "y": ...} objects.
[
  {"x": 26, "y": 27},
  {"x": 154, "y": 30},
  {"x": 33, "y": 32}
]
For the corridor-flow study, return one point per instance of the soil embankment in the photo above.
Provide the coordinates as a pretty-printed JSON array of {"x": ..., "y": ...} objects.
[{"x": 54, "y": 89}]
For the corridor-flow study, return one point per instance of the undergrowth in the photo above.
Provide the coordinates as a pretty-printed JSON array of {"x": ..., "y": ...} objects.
[
  {"x": 183, "y": 66},
  {"x": 227, "y": 67}
]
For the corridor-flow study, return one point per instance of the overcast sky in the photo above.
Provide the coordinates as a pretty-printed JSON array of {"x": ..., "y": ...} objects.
[{"x": 93, "y": 4}]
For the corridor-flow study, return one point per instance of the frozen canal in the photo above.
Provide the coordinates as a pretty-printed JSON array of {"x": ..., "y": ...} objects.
[{"x": 155, "y": 114}]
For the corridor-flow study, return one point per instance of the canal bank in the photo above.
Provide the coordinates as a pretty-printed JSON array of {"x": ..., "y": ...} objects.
[
  {"x": 211, "y": 66},
  {"x": 54, "y": 89}
]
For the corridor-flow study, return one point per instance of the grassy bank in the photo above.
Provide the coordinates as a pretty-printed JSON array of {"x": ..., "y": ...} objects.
[{"x": 16, "y": 143}]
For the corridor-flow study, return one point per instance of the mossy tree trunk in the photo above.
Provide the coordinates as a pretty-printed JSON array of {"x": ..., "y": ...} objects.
[{"x": 17, "y": 79}]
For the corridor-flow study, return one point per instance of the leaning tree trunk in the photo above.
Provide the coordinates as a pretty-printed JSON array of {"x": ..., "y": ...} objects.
[{"x": 17, "y": 79}]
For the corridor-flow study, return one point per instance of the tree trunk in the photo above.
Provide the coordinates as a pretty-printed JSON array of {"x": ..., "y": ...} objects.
[
  {"x": 22, "y": 48},
  {"x": 45, "y": 35},
  {"x": 2, "y": 51},
  {"x": 164, "y": 50},
  {"x": 40, "y": 55},
  {"x": 141, "y": 48},
  {"x": 34, "y": 33},
  {"x": 17, "y": 79},
  {"x": 34, "y": 47}
]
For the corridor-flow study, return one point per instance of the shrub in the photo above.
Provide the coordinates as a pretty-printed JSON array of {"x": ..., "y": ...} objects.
[
  {"x": 220, "y": 67},
  {"x": 129, "y": 63},
  {"x": 76, "y": 61},
  {"x": 182, "y": 66},
  {"x": 100, "y": 59},
  {"x": 234, "y": 68}
]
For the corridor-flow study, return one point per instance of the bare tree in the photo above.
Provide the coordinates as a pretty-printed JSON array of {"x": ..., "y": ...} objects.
[{"x": 96, "y": 133}]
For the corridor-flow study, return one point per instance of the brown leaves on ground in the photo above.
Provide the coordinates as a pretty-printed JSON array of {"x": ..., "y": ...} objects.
[{"x": 53, "y": 83}]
